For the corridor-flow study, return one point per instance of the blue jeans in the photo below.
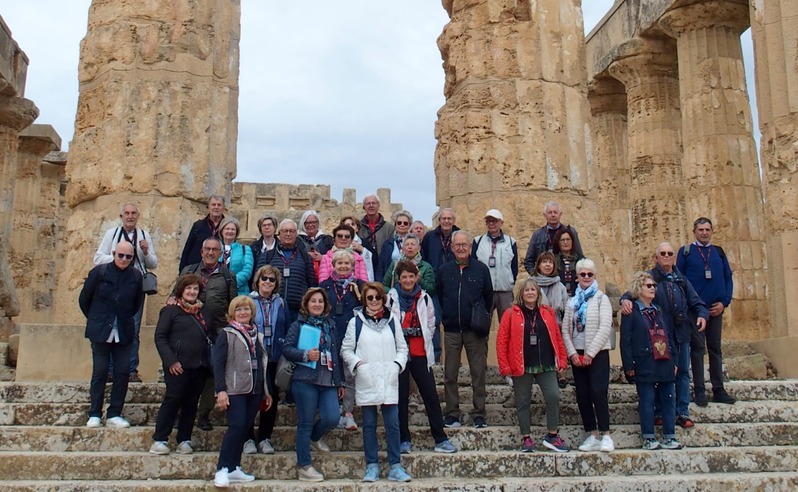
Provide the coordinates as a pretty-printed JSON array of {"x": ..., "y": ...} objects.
[
  {"x": 309, "y": 398},
  {"x": 101, "y": 354},
  {"x": 647, "y": 394},
  {"x": 682, "y": 383},
  {"x": 390, "y": 418},
  {"x": 134, "y": 351},
  {"x": 240, "y": 415}
]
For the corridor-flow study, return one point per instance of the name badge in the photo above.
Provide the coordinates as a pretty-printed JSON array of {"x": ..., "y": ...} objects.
[
  {"x": 533, "y": 339},
  {"x": 339, "y": 309},
  {"x": 708, "y": 274},
  {"x": 492, "y": 261},
  {"x": 286, "y": 272}
]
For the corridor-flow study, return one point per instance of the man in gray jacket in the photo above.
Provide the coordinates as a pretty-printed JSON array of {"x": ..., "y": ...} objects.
[{"x": 499, "y": 252}]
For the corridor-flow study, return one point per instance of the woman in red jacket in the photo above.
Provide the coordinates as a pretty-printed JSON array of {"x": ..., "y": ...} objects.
[{"x": 529, "y": 347}]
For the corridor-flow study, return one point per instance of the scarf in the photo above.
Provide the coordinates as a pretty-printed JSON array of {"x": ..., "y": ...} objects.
[
  {"x": 406, "y": 299},
  {"x": 343, "y": 283},
  {"x": 416, "y": 259},
  {"x": 325, "y": 343},
  {"x": 192, "y": 309},
  {"x": 579, "y": 301},
  {"x": 545, "y": 280},
  {"x": 249, "y": 332}
]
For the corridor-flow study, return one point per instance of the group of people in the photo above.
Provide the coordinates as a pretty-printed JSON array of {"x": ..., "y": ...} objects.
[{"x": 359, "y": 312}]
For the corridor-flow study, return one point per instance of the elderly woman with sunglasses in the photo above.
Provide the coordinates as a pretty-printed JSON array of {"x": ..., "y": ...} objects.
[
  {"x": 343, "y": 235},
  {"x": 392, "y": 249},
  {"x": 586, "y": 331},
  {"x": 649, "y": 353}
]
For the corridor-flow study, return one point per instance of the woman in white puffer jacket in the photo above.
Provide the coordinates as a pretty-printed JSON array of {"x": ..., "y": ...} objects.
[{"x": 375, "y": 351}]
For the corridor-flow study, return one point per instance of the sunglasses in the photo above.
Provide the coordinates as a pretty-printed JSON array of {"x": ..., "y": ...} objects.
[
  {"x": 123, "y": 256},
  {"x": 650, "y": 286},
  {"x": 264, "y": 278},
  {"x": 666, "y": 253},
  {"x": 377, "y": 297},
  {"x": 402, "y": 222},
  {"x": 343, "y": 236},
  {"x": 586, "y": 274}
]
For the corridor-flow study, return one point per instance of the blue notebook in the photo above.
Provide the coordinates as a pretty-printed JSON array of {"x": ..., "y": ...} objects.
[{"x": 309, "y": 337}]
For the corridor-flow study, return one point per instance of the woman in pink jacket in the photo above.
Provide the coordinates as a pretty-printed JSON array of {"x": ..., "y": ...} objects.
[
  {"x": 343, "y": 235},
  {"x": 529, "y": 348}
]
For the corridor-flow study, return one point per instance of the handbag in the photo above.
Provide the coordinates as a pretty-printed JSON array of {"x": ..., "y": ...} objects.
[
  {"x": 149, "y": 283},
  {"x": 284, "y": 373},
  {"x": 480, "y": 320}
]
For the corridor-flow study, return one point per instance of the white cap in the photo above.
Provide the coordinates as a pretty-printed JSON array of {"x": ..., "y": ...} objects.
[{"x": 495, "y": 214}]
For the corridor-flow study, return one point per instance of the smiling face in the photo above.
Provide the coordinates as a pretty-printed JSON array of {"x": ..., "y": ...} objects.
[
  {"x": 316, "y": 304},
  {"x": 530, "y": 295},
  {"x": 585, "y": 277},
  {"x": 211, "y": 252},
  {"x": 461, "y": 247},
  {"x": 446, "y": 221},
  {"x": 215, "y": 209},
  {"x": 494, "y": 225},
  {"x": 266, "y": 284},
  {"x": 229, "y": 233},
  {"x": 371, "y": 206},
  {"x": 374, "y": 300},
  {"x": 402, "y": 224},
  {"x": 407, "y": 280},
  {"x": 648, "y": 290},
  {"x": 190, "y": 293},
  {"x": 243, "y": 314},
  {"x": 343, "y": 267},
  {"x": 312, "y": 225}
]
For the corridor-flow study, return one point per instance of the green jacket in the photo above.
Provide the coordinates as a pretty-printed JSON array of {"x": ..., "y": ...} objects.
[{"x": 427, "y": 279}]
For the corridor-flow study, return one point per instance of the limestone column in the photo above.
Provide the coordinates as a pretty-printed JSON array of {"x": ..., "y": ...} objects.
[
  {"x": 774, "y": 25},
  {"x": 720, "y": 165},
  {"x": 512, "y": 134},
  {"x": 608, "y": 126},
  {"x": 648, "y": 69},
  {"x": 156, "y": 124}
]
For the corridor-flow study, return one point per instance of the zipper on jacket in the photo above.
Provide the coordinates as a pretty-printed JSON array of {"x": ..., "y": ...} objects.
[{"x": 459, "y": 293}]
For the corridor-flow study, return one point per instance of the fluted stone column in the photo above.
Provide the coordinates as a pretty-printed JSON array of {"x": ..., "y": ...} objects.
[
  {"x": 774, "y": 25},
  {"x": 608, "y": 125},
  {"x": 512, "y": 133},
  {"x": 156, "y": 124},
  {"x": 649, "y": 70},
  {"x": 720, "y": 165}
]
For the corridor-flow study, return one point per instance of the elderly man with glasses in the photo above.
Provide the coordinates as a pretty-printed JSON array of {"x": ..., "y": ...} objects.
[{"x": 685, "y": 311}]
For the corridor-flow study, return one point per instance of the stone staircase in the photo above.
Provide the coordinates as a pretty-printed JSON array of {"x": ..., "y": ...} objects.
[{"x": 752, "y": 445}]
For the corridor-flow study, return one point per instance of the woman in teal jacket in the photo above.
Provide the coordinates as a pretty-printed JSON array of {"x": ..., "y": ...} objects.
[{"x": 237, "y": 257}]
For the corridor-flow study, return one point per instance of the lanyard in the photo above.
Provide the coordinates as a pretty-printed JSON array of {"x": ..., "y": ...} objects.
[
  {"x": 265, "y": 305},
  {"x": 706, "y": 259},
  {"x": 650, "y": 315},
  {"x": 446, "y": 242},
  {"x": 206, "y": 275},
  {"x": 213, "y": 227},
  {"x": 286, "y": 259}
]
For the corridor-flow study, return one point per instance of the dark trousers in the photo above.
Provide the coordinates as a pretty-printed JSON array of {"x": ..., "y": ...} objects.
[
  {"x": 425, "y": 380},
  {"x": 101, "y": 354},
  {"x": 709, "y": 339},
  {"x": 240, "y": 415},
  {"x": 592, "y": 384},
  {"x": 182, "y": 395},
  {"x": 476, "y": 349},
  {"x": 269, "y": 417}
]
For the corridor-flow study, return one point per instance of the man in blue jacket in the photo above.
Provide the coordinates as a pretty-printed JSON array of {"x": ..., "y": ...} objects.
[
  {"x": 707, "y": 268},
  {"x": 459, "y": 285},
  {"x": 111, "y": 296}
]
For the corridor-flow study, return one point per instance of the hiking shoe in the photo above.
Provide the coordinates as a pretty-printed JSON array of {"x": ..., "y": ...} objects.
[
  {"x": 222, "y": 479},
  {"x": 555, "y": 443},
  {"x": 184, "y": 448},
  {"x": 159, "y": 447},
  {"x": 204, "y": 423},
  {"x": 398, "y": 474},
  {"x": 320, "y": 446},
  {"x": 238, "y": 475},
  {"x": 308, "y": 474},
  {"x": 590, "y": 444},
  {"x": 720, "y": 396},
  {"x": 658, "y": 421},
  {"x": 404, "y": 447},
  {"x": 480, "y": 423},
  {"x": 451, "y": 422},
  {"x": 94, "y": 422},
  {"x": 527, "y": 445},
  {"x": 650, "y": 444},
  {"x": 684, "y": 422},
  {"x": 117, "y": 422},
  {"x": 348, "y": 423},
  {"x": 562, "y": 383},
  {"x": 607, "y": 445},
  {"x": 445, "y": 447},
  {"x": 249, "y": 447},
  {"x": 265, "y": 447},
  {"x": 372, "y": 473},
  {"x": 671, "y": 444},
  {"x": 701, "y": 399},
  {"x": 134, "y": 377}
]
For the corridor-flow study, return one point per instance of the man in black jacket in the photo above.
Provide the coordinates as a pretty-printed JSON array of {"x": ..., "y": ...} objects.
[
  {"x": 110, "y": 299},
  {"x": 202, "y": 230},
  {"x": 460, "y": 284}
]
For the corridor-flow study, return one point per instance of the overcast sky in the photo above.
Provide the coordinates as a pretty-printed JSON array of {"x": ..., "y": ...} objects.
[{"x": 338, "y": 93}]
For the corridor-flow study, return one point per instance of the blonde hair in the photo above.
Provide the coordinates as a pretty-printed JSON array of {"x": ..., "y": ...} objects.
[{"x": 238, "y": 302}]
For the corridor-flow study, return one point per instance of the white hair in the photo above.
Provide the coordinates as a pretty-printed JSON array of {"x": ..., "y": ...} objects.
[
  {"x": 585, "y": 264},
  {"x": 551, "y": 203}
]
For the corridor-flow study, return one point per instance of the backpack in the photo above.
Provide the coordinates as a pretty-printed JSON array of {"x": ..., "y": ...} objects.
[
  {"x": 686, "y": 250},
  {"x": 227, "y": 278}
]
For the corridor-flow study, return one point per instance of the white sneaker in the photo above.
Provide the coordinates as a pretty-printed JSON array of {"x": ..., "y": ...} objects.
[
  {"x": 184, "y": 448},
  {"x": 607, "y": 445},
  {"x": 94, "y": 422},
  {"x": 238, "y": 475},
  {"x": 249, "y": 447},
  {"x": 117, "y": 422},
  {"x": 265, "y": 447},
  {"x": 309, "y": 474},
  {"x": 222, "y": 479},
  {"x": 349, "y": 423},
  {"x": 159, "y": 447},
  {"x": 320, "y": 446},
  {"x": 590, "y": 444}
]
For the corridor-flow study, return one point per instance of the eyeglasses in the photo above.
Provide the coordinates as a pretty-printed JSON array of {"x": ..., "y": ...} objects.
[
  {"x": 213, "y": 250},
  {"x": 666, "y": 253},
  {"x": 402, "y": 222},
  {"x": 264, "y": 278},
  {"x": 123, "y": 256},
  {"x": 377, "y": 297},
  {"x": 311, "y": 222},
  {"x": 287, "y": 231},
  {"x": 586, "y": 274},
  {"x": 343, "y": 236},
  {"x": 459, "y": 246},
  {"x": 650, "y": 286}
]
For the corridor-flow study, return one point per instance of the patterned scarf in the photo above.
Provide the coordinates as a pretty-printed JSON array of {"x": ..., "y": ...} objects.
[
  {"x": 190, "y": 308},
  {"x": 579, "y": 301},
  {"x": 416, "y": 259},
  {"x": 249, "y": 332},
  {"x": 343, "y": 283}
]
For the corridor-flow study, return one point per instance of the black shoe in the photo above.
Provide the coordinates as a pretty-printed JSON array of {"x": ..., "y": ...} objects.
[
  {"x": 720, "y": 396},
  {"x": 204, "y": 423},
  {"x": 480, "y": 423},
  {"x": 701, "y": 399},
  {"x": 451, "y": 422},
  {"x": 684, "y": 422},
  {"x": 134, "y": 377},
  {"x": 562, "y": 383}
]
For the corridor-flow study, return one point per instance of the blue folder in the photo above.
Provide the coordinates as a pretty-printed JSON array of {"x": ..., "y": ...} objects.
[{"x": 309, "y": 338}]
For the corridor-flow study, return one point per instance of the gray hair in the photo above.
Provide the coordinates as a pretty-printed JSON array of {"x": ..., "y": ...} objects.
[
  {"x": 403, "y": 213},
  {"x": 413, "y": 237},
  {"x": 447, "y": 209},
  {"x": 342, "y": 254},
  {"x": 585, "y": 264},
  {"x": 305, "y": 216},
  {"x": 230, "y": 220},
  {"x": 131, "y": 204},
  {"x": 468, "y": 236},
  {"x": 287, "y": 221},
  {"x": 371, "y": 195},
  {"x": 660, "y": 245},
  {"x": 551, "y": 203},
  {"x": 212, "y": 238},
  {"x": 217, "y": 197}
]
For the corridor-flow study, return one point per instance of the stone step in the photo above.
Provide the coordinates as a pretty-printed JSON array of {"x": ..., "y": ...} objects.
[
  {"x": 506, "y": 438},
  {"x": 74, "y": 414},
  {"x": 464, "y": 465},
  {"x": 13, "y": 392},
  {"x": 727, "y": 482}
]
